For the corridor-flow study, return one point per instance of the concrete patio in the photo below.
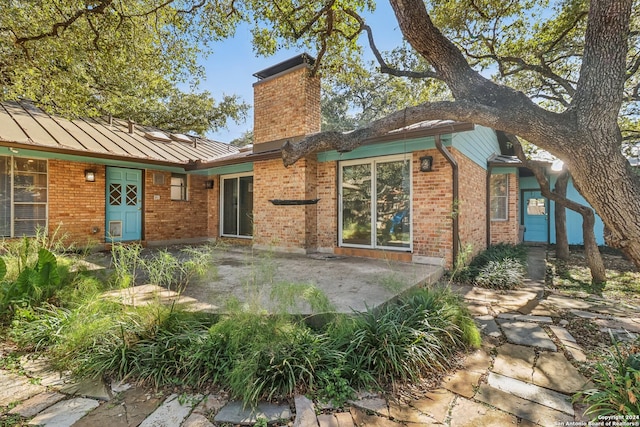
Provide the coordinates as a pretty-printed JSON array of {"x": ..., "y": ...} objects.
[{"x": 249, "y": 276}]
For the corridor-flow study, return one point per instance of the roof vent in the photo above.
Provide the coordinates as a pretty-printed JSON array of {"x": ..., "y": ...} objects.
[
  {"x": 157, "y": 136},
  {"x": 180, "y": 137},
  {"x": 130, "y": 123}
]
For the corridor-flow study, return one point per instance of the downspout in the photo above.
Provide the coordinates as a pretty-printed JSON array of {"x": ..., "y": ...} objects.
[
  {"x": 488, "y": 205},
  {"x": 455, "y": 190}
]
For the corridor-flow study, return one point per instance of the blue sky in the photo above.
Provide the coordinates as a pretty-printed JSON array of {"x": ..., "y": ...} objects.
[{"x": 229, "y": 70}]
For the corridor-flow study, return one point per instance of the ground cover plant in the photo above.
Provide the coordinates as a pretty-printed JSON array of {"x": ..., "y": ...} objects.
[
  {"x": 253, "y": 354},
  {"x": 617, "y": 383},
  {"x": 501, "y": 266},
  {"x": 573, "y": 276}
]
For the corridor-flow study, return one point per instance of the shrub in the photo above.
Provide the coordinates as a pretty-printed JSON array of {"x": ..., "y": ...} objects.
[
  {"x": 494, "y": 256},
  {"x": 503, "y": 274},
  {"x": 617, "y": 383},
  {"x": 401, "y": 341}
]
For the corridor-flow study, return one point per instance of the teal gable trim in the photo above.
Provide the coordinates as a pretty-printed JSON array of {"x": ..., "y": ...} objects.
[
  {"x": 226, "y": 170},
  {"x": 384, "y": 149},
  {"x": 478, "y": 144},
  {"x": 95, "y": 160}
]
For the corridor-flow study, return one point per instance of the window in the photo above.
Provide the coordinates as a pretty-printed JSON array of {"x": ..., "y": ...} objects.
[
  {"x": 499, "y": 197},
  {"x": 23, "y": 196},
  {"x": 237, "y": 206},
  {"x": 178, "y": 186},
  {"x": 375, "y": 203}
]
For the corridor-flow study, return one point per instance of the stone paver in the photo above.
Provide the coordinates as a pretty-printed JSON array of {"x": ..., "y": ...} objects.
[
  {"x": 525, "y": 318},
  {"x": 522, "y": 408},
  {"x": 408, "y": 414},
  {"x": 575, "y": 351},
  {"x": 373, "y": 404},
  {"x": 305, "y": 412},
  {"x": 197, "y": 420},
  {"x": 515, "y": 361},
  {"x": 64, "y": 413},
  {"x": 478, "y": 361},
  {"x": 488, "y": 326},
  {"x": 38, "y": 368},
  {"x": 529, "y": 334},
  {"x": 344, "y": 419},
  {"x": 127, "y": 409},
  {"x": 173, "y": 411},
  {"x": 567, "y": 303},
  {"x": 210, "y": 404},
  {"x": 37, "y": 403},
  {"x": 361, "y": 418},
  {"x": 327, "y": 420},
  {"x": 534, "y": 393},
  {"x": 467, "y": 413},
  {"x": 235, "y": 413},
  {"x": 15, "y": 388},
  {"x": 463, "y": 382},
  {"x": 562, "y": 334},
  {"x": 95, "y": 389},
  {"x": 554, "y": 371},
  {"x": 436, "y": 403}
]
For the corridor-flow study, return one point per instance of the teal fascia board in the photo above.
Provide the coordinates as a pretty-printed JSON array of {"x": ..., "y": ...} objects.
[
  {"x": 226, "y": 170},
  {"x": 95, "y": 160},
  {"x": 400, "y": 146}
]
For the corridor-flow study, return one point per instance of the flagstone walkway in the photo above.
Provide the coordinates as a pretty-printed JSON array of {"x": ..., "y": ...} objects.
[{"x": 524, "y": 375}]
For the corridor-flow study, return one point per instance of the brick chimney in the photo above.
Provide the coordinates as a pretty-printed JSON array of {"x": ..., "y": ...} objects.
[
  {"x": 286, "y": 104},
  {"x": 286, "y": 108}
]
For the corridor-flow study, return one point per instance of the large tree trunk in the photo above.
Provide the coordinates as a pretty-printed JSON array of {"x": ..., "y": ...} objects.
[
  {"x": 592, "y": 253},
  {"x": 560, "y": 214}
]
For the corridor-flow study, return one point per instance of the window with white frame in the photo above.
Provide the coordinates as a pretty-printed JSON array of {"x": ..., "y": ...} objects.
[
  {"x": 236, "y": 216},
  {"x": 178, "y": 186},
  {"x": 499, "y": 197},
  {"x": 375, "y": 203},
  {"x": 23, "y": 196}
]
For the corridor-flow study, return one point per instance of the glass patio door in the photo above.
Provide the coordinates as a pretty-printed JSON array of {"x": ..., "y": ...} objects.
[
  {"x": 237, "y": 206},
  {"x": 376, "y": 203}
]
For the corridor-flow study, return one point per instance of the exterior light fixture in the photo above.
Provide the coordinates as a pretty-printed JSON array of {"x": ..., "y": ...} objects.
[
  {"x": 426, "y": 163},
  {"x": 208, "y": 184},
  {"x": 90, "y": 175}
]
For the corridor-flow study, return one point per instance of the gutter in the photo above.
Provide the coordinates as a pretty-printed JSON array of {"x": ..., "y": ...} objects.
[{"x": 455, "y": 190}]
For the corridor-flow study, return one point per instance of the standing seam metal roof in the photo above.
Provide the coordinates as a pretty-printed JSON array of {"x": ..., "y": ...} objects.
[{"x": 23, "y": 123}]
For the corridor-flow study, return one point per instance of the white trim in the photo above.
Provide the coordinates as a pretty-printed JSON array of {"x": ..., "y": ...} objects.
[{"x": 373, "y": 161}]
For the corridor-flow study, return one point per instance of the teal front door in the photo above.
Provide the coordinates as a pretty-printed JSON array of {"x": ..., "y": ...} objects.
[
  {"x": 535, "y": 212},
  {"x": 124, "y": 204}
]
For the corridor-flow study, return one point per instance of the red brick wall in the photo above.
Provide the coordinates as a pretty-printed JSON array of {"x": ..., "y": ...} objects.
[
  {"x": 76, "y": 207},
  {"x": 327, "y": 192},
  {"x": 432, "y": 208},
  {"x": 167, "y": 219},
  {"x": 285, "y": 106},
  {"x": 507, "y": 231},
  {"x": 472, "y": 204},
  {"x": 284, "y": 227}
]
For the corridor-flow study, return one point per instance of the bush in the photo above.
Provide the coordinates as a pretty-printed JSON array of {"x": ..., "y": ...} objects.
[
  {"x": 402, "y": 341},
  {"x": 617, "y": 383},
  {"x": 492, "y": 260},
  {"x": 504, "y": 274}
]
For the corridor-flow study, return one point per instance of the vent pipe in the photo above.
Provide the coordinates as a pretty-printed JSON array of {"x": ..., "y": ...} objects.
[{"x": 130, "y": 122}]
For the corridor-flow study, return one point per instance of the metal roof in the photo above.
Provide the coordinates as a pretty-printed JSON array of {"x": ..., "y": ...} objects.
[{"x": 25, "y": 125}]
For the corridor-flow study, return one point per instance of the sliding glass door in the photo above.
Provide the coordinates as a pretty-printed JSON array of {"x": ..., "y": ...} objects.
[
  {"x": 375, "y": 203},
  {"x": 237, "y": 206}
]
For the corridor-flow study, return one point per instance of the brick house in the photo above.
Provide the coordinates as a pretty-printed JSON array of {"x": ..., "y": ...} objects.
[{"x": 106, "y": 180}]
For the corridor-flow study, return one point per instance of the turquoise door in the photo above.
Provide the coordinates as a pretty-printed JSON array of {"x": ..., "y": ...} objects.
[
  {"x": 535, "y": 211},
  {"x": 124, "y": 204}
]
